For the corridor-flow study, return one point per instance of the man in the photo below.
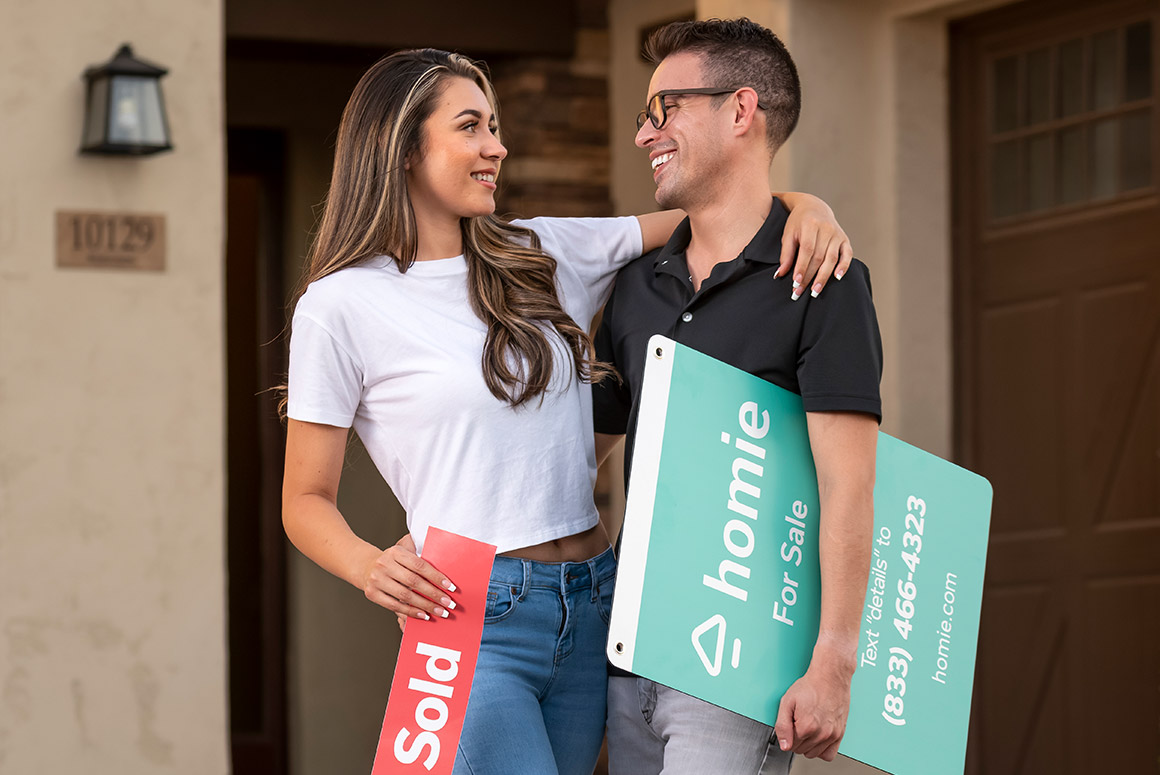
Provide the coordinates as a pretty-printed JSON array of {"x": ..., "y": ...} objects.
[{"x": 724, "y": 97}]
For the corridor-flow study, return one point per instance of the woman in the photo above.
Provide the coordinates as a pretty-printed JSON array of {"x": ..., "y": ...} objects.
[{"x": 447, "y": 338}]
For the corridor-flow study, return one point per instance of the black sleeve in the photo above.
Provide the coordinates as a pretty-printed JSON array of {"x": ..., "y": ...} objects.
[
  {"x": 611, "y": 397},
  {"x": 840, "y": 353}
]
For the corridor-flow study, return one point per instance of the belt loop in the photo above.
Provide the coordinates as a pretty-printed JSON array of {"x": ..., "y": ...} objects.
[
  {"x": 527, "y": 568},
  {"x": 595, "y": 579}
]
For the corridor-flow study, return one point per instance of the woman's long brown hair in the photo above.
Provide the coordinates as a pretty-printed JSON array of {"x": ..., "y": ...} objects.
[{"x": 511, "y": 281}]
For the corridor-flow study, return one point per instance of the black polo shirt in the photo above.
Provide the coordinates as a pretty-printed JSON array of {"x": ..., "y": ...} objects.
[{"x": 827, "y": 350}]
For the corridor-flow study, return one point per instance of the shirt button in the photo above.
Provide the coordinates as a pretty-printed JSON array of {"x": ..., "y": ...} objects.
[{"x": 687, "y": 317}]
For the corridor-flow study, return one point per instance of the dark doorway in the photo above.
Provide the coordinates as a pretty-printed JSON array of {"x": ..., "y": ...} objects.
[
  {"x": 255, "y": 299},
  {"x": 1057, "y": 254}
]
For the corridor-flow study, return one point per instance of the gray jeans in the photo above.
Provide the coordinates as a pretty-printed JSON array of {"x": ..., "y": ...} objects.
[{"x": 655, "y": 730}]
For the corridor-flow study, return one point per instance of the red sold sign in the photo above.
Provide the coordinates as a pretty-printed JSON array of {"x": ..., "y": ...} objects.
[{"x": 436, "y": 665}]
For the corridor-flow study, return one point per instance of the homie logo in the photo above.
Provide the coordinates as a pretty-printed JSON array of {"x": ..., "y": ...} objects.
[
  {"x": 713, "y": 665},
  {"x": 436, "y": 665}
]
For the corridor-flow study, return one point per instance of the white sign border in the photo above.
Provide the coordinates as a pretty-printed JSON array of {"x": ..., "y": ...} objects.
[{"x": 646, "y": 464}]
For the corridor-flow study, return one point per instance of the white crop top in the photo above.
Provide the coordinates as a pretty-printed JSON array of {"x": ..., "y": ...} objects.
[{"x": 398, "y": 356}]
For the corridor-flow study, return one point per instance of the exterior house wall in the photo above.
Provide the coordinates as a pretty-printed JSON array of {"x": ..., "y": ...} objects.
[
  {"x": 631, "y": 180},
  {"x": 112, "y": 647},
  {"x": 554, "y": 122},
  {"x": 112, "y": 460}
]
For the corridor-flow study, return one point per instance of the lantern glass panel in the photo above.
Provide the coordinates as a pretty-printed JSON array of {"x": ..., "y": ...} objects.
[
  {"x": 136, "y": 111},
  {"x": 97, "y": 113}
]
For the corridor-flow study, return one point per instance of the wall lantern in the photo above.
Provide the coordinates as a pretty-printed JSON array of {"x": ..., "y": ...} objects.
[{"x": 124, "y": 112}]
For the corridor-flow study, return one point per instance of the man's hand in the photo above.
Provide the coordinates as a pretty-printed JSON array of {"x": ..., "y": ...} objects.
[{"x": 812, "y": 717}]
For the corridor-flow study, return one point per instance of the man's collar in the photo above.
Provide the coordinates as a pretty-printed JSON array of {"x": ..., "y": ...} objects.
[
  {"x": 765, "y": 247},
  {"x": 675, "y": 246},
  {"x": 766, "y": 243}
]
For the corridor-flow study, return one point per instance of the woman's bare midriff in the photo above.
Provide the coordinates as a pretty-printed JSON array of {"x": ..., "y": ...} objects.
[{"x": 573, "y": 548}]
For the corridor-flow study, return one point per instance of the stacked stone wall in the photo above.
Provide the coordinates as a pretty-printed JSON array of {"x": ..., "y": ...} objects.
[{"x": 555, "y": 122}]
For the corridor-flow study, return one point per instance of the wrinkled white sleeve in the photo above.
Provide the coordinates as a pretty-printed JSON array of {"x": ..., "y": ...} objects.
[
  {"x": 325, "y": 382},
  {"x": 589, "y": 252}
]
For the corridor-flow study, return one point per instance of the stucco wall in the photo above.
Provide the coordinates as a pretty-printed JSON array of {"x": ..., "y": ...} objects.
[
  {"x": 631, "y": 181},
  {"x": 112, "y": 656}
]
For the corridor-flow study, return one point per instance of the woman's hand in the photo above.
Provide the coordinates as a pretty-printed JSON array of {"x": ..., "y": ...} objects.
[
  {"x": 401, "y": 581},
  {"x": 397, "y": 579},
  {"x": 821, "y": 245}
]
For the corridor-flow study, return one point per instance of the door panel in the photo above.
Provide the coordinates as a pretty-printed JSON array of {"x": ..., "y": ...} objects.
[{"x": 1057, "y": 251}]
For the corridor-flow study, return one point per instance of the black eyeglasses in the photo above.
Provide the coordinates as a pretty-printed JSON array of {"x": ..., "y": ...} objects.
[{"x": 657, "y": 111}]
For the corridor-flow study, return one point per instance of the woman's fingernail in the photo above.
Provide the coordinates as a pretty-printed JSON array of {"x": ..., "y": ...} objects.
[
  {"x": 447, "y": 602},
  {"x": 797, "y": 281},
  {"x": 838, "y": 274},
  {"x": 424, "y": 615},
  {"x": 817, "y": 289},
  {"x": 441, "y": 612},
  {"x": 784, "y": 745},
  {"x": 795, "y": 296},
  {"x": 448, "y": 585}
]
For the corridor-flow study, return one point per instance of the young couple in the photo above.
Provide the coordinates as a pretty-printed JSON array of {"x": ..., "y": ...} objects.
[{"x": 454, "y": 342}]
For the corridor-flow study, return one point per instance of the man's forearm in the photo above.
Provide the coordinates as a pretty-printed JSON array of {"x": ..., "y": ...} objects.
[
  {"x": 844, "y": 452},
  {"x": 847, "y": 522},
  {"x": 811, "y": 718}
]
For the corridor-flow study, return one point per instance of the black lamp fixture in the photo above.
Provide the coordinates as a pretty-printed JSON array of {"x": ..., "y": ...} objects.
[{"x": 124, "y": 111}]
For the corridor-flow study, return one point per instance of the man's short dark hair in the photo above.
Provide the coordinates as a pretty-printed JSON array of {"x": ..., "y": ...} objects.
[{"x": 739, "y": 52}]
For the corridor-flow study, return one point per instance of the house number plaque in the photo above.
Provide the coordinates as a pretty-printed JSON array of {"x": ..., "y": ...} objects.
[{"x": 108, "y": 240}]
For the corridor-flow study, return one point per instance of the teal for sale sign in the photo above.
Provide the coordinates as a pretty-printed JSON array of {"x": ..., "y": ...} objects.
[{"x": 719, "y": 591}]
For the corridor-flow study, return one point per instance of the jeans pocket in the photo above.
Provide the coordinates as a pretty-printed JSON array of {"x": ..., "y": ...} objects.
[{"x": 501, "y": 601}]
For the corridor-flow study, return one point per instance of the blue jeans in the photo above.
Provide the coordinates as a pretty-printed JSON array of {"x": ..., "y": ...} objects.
[{"x": 538, "y": 699}]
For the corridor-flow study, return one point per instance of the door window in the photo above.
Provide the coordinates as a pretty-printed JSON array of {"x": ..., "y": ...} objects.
[{"x": 1071, "y": 123}]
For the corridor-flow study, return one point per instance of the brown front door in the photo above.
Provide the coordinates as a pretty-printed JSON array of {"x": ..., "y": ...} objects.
[{"x": 1057, "y": 271}]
